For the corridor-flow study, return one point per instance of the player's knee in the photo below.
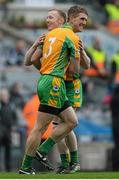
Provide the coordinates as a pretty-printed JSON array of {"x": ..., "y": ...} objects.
[
  {"x": 76, "y": 122},
  {"x": 73, "y": 123}
]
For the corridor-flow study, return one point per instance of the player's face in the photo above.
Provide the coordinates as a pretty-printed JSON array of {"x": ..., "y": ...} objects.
[
  {"x": 79, "y": 22},
  {"x": 54, "y": 20}
]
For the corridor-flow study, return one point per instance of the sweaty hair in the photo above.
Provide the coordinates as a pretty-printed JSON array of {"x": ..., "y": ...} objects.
[
  {"x": 75, "y": 10},
  {"x": 60, "y": 12}
]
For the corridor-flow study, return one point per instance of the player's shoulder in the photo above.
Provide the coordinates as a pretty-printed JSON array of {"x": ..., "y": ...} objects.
[
  {"x": 70, "y": 33},
  {"x": 72, "y": 36},
  {"x": 56, "y": 31},
  {"x": 62, "y": 33}
]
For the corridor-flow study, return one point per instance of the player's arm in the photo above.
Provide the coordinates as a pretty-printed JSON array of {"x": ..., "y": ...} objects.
[
  {"x": 36, "y": 58},
  {"x": 34, "y": 53},
  {"x": 84, "y": 58},
  {"x": 74, "y": 66}
]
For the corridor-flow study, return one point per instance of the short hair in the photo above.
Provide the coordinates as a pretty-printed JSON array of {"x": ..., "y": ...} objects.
[
  {"x": 75, "y": 10},
  {"x": 61, "y": 13}
]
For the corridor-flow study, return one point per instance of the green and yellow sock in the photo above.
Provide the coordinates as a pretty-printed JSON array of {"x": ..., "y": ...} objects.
[
  {"x": 27, "y": 162},
  {"x": 46, "y": 146},
  {"x": 74, "y": 157}
]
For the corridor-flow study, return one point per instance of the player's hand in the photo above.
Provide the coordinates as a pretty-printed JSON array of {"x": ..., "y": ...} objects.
[
  {"x": 40, "y": 40},
  {"x": 81, "y": 46}
]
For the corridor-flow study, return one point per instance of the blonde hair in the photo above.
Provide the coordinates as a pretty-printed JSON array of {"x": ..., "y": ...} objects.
[
  {"x": 60, "y": 12},
  {"x": 75, "y": 10}
]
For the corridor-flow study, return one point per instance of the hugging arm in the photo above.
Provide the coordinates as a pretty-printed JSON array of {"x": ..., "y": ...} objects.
[
  {"x": 34, "y": 53},
  {"x": 84, "y": 58}
]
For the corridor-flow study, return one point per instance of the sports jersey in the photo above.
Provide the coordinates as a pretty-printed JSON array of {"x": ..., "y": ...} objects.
[
  {"x": 69, "y": 76},
  {"x": 60, "y": 44}
]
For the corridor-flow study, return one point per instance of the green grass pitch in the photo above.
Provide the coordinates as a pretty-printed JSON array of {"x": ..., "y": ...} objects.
[{"x": 79, "y": 175}]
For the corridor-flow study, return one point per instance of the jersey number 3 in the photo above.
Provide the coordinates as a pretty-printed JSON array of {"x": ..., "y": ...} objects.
[{"x": 51, "y": 40}]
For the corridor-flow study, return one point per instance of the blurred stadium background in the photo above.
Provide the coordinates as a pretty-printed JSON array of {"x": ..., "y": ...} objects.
[{"x": 21, "y": 22}]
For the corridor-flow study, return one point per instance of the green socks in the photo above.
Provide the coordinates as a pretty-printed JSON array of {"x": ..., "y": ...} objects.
[
  {"x": 27, "y": 162},
  {"x": 64, "y": 160},
  {"x": 46, "y": 146},
  {"x": 74, "y": 157}
]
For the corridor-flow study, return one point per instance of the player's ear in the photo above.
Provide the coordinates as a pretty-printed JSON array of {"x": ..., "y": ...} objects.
[
  {"x": 71, "y": 19},
  {"x": 61, "y": 21}
]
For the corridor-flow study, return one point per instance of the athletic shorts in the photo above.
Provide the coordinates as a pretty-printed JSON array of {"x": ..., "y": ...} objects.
[
  {"x": 74, "y": 92},
  {"x": 52, "y": 93}
]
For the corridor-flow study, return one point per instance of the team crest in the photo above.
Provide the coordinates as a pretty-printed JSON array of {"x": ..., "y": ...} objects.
[
  {"x": 55, "y": 88},
  {"x": 77, "y": 91}
]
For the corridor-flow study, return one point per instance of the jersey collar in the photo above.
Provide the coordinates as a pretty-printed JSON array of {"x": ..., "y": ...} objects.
[{"x": 68, "y": 25}]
